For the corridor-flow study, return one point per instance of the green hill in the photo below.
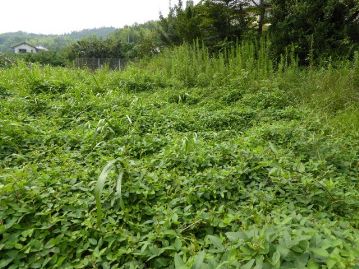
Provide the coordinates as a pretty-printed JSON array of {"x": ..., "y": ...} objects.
[{"x": 52, "y": 42}]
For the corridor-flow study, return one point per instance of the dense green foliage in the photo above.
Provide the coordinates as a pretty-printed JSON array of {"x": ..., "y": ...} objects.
[
  {"x": 168, "y": 165},
  {"x": 6, "y": 60},
  {"x": 140, "y": 40},
  {"x": 54, "y": 58},
  {"x": 220, "y": 154},
  {"x": 216, "y": 23},
  {"x": 317, "y": 29},
  {"x": 129, "y": 42},
  {"x": 96, "y": 48}
]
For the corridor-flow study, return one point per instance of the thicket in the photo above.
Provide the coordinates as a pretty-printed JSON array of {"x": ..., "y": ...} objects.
[
  {"x": 6, "y": 60},
  {"x": 128, "y": 43},
  {"x": 96, "y": 48},
  {"x": 229, "y": 162},
  {"x": 317, "y": 29},
  {"x": 52, "y": 58}
]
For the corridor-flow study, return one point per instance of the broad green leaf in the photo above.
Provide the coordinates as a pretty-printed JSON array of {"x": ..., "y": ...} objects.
[
  {"x": 216, "y": 241},
  {"x": 51, "y": 243},
  {"x": 5, "y": 262},
  {"x": 276, "y": 258},
  {"x": 178, "y": 244},
  {"x": 179, "y": 263},
  {"x": 259, "y": 262},
  {"x": 93, "y": 241},
  {"x": 198, "y": 261},
  {"x": 312, "y": 265},
  {"x": 331, "y": 263},
  {"x": 249, "y": 264},
  {"x": 320, "y": 252},
  {"x": 235, "y": 236}
]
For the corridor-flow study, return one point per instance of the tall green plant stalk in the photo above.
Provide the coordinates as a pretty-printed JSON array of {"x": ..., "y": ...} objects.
[
  {"x": 119, "y": 168},
  {"x": 193, "y": 65}
]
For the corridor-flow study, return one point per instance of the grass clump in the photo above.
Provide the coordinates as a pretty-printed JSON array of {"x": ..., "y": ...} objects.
[
  {"x": 101, "y": 184},
  {"x": 4, "y": 92},
  {"x": 48, "y": 86}
]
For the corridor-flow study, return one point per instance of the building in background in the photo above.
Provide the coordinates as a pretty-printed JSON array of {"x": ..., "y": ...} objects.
[{"x": 25, "y": 47}]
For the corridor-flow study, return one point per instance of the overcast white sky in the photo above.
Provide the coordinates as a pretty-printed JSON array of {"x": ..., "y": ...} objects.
[{"x": 63, "y": 16}]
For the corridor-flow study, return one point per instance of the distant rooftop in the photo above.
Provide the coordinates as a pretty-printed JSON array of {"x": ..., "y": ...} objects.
[{"x": 41, "y": 48}]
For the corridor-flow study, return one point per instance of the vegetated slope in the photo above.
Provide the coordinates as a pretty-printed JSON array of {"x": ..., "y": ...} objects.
[{"x": 253, "y": 172}]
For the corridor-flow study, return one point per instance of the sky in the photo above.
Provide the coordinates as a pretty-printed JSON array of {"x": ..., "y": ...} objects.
[{"x": 64, "y": 16}]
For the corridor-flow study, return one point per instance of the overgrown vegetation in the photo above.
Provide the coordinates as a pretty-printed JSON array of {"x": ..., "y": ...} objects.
[
  {"x": 227, "y": 162},
  {"x": 6, "y": 61},
  {"x": 315, "y": 31}
]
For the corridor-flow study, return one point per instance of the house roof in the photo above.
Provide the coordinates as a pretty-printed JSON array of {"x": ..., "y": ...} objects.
[
  {"x": 23, "y": 43},
  {"x": 41, "y": 48}
]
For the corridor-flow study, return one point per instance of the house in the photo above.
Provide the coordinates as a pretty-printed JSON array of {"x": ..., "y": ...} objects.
[{"x": 25, "y": 47}]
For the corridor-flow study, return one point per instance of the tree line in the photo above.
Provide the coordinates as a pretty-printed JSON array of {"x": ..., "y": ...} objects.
[{"x": 314, "y": 29}]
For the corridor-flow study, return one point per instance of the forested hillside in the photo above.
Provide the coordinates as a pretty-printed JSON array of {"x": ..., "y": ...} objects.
[{"x": 52, "y": 42}]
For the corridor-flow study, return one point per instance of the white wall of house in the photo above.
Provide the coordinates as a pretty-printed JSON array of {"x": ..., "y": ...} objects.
[{"x": 24, "y": 48}]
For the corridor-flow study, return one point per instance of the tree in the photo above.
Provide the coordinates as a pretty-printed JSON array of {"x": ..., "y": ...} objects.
[
  {"x": 246, "y": 8},
  {"x": 315, "y": 28},
  {"x": 212, "y": 21},
  {"x": 94, "y": 47},
  {"x": 225, "y": 20},
  {"x": 181, "y": 24},
  {"x": 139, "y": 40},
  {"x": 261, "y": 7}
]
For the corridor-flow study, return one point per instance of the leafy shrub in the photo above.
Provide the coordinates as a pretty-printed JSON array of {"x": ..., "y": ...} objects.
[
  {"x": 36, "y": 106},
  {"x": 48, "y": 86},
  {"x": 4, "y": 92},
  {"x": 232, "y": 97},
  {"x": 16, "y": 138},
  {"x": 45, "y": 58},
  {"x": 227, "y": 119},
  {"x": 6, "y": 61},
  {"x": 267, "y": 98},
  {"x": 141, "y": 82}
]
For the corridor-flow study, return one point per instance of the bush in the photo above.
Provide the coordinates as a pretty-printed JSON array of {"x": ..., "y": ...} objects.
[
  {"x": 48, "y": 86},
  {"x": 4, "y": 92},
  {"x": 52, "y": 58},
  {"x": 6, "y": 61},
  {"x": 316, "y": 29}
]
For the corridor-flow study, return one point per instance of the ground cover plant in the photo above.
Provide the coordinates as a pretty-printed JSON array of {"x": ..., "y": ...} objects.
[{"x": 183, "y": 161}]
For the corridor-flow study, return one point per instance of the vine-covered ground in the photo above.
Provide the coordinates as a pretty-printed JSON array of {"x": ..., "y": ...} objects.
[{"x": 257, "y": 172}]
